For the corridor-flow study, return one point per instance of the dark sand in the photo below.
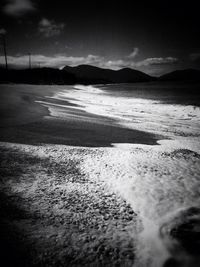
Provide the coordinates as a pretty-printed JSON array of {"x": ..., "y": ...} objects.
[
  {"x": 25, "y": 121},
  {"x": 53, "y": 215}
]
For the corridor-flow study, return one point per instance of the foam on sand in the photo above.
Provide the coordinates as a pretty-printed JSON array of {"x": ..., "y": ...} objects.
[
  {"x": 157, "y": 181},
  {"x": 135, "y": 113},
  {"x": 160, "y": 182}
]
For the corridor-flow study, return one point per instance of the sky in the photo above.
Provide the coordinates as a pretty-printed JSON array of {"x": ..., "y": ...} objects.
[{"x": 155, "y": 37}]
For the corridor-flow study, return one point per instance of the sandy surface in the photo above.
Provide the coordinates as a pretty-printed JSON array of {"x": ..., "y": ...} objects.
[
  {"x": 53, "y": 214},
  {"x": 79, "y": 189},
  {"x": 64, "y": 205},
  {"x": 18, "y": 106},
  {"x": 24, "y": 120}
]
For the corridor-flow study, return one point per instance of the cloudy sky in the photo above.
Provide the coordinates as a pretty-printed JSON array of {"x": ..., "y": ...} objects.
[{"x": 152, "y": 36}]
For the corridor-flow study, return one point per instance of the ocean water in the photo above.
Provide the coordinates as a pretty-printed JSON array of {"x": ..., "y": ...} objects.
[
  {"x": 161, "y": 182},
  {"x": 160, "y": 111}
]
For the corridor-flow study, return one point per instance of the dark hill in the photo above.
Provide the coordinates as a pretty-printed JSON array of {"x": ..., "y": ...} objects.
[
  {"x": 86, "y": 74},
  {"x": 90, "y": 74},
  {"x": 181, "y": 75}
]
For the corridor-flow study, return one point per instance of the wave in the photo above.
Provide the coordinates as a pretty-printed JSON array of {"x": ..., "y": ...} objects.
[{"x": 135, "y": 113}]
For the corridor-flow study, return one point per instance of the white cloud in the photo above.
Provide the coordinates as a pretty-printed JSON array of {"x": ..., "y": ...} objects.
[
  {"x": 49, "y": 28},
  {"x": 114, "y": 64},
  {"x": 134, "y": 53},
  {"x": 17, "y": 8},
  {"x": 127, "y": 63},
  {"x": 56, "y": 61},
  {"x": 157, "y": 61}
]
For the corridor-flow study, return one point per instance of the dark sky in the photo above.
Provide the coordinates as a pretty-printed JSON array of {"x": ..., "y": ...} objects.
[{"x": 153, "y": 36}]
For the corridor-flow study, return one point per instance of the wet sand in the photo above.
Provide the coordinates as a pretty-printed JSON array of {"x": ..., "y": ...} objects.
[{"x": 23, "y": 120}]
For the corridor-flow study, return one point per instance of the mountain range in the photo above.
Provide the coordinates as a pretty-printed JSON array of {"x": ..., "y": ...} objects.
[
  {"x": 91, "y": 74},
  {"x": 87, "y": 74}
]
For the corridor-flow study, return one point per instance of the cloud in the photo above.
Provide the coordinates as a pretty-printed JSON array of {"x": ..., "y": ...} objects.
[
  {"x": 114, "y": 64},
  {"x": 49, "y": 28},
  {"x": 134, "y": 53},
  {"x": 2, "y": 31},
  {"x": 126, "y": 63},
  {"x": 157, "y": 61},
  {"x": 149, "y": 65},
  {"x": 17, "y": 8},
  {"x": 57, "y": 61}
]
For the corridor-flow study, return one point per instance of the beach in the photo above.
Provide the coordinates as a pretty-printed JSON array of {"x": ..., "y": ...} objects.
[{"x": 95, "y": 177}]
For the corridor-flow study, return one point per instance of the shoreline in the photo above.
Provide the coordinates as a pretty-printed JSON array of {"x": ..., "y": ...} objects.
[
  {"x": 92, "y": 198},
  {"x": 18, "y": 104},
  {"x": 21, "y": 125}
]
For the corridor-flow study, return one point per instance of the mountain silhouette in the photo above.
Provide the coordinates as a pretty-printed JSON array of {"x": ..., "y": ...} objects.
[
  {"x": 90, "y": 74},
  {"x": 181, "y": 75},
  {"x": 87, "y": 74}
]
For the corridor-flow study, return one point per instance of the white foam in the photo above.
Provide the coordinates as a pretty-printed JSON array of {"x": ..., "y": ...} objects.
[
  {"x": 135, "y": 113},
  {"x": 153, "y": 182},
  {"x": 87, "y": 88}
]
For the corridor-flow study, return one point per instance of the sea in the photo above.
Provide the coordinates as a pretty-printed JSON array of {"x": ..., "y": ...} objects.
[{"x": 161, "y": 182}]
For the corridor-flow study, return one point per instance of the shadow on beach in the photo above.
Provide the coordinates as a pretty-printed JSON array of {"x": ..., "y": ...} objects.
[
  {"x": 14, "y": 250},
  {"x": 74, "y": 133},
  {"x": 46, "y": 220},
  {"x": 27, "y": 122}
]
